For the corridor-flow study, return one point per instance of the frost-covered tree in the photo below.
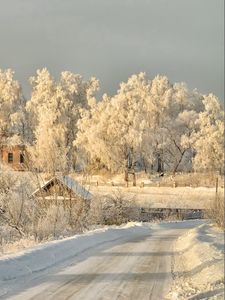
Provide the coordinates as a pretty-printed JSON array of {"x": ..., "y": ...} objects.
[
  {"x": 179, "y": 122},
  {"x": 110, "y": 130},
  {"x": 208, "y": 139},
  {"x": 154, "y": 123},
  {"x": 92, "y": 132},
  {"x": 157, "y": 103},
  {"x": 12, "y": 107},
  {"x": 166, "y": 121},
  {"x": 53, "y": 113},
  {"x": 147, "y": 121}
]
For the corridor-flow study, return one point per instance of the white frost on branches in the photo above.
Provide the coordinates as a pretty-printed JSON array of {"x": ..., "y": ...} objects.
[
  {"x": 12, "y": 107},
  {"x": 54, "y": 109},
  {"x": 150, "y": 122},
  {"x": 153, "y": 124}
]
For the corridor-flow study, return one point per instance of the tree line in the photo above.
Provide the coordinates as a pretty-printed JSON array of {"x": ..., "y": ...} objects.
[{"x": 149, "y": 124}]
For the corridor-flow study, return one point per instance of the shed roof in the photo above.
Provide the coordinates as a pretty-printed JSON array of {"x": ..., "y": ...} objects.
[{"x": 71, "y": 184}]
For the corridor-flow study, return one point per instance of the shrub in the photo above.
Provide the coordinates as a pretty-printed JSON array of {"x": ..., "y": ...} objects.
[
  {"x": 216, "y": 210},
  {"x": 113, "y": 209}
]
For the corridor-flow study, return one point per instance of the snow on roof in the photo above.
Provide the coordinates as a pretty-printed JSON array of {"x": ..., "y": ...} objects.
[
  {"x": 69, "y": 183},
  {"x": 75, "y": 187}
]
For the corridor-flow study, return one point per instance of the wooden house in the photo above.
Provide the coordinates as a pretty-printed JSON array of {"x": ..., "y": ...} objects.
[{"x": 62, "y": 188}]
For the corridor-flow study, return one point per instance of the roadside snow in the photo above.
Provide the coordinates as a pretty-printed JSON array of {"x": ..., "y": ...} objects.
[
  {"x": 198, "y": 265},
  {"x": 42, "y": 257}
]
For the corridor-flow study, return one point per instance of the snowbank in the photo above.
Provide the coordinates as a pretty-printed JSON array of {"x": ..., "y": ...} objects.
[
  {"x": 42, "y": 257},
  {"x": 198, "y": 265}
]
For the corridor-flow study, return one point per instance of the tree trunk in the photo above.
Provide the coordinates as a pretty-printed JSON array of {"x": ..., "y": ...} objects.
[
  {"x": 126, "y": 177},
  {"x": 178, "y": 163},
  {"x": 144, "y": 165},
  {"x": 134, "y": 179},
  {"x": 160, "y": 165}
]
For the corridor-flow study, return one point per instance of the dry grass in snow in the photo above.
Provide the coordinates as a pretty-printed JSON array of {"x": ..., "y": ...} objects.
[
  {"x": 216, "y": 209},
  {"x": 16, "y": 246},
  {"x": 180, "y": 197}
]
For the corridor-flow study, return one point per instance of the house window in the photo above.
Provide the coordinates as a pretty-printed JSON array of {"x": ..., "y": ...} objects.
[
  {"x": 10, "y": 157},
  {"x": 21, "y": 158}
]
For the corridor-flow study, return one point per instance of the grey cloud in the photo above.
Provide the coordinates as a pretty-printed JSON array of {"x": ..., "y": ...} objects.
[{"x": 183, "y": 39}]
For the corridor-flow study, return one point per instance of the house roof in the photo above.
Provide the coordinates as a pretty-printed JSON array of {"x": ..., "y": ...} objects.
[{"x": 71, "y": 184}]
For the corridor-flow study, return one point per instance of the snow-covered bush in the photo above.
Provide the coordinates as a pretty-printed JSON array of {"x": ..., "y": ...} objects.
[
  {"x": 15, "y": 205},
  {"x": 112, "y": 209},
  {"x": 26, "y": 217},
  {"x": 52, "y": 224}
]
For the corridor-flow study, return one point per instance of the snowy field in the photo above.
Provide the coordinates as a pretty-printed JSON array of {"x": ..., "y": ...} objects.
[
  {"x": 180, "y": 197},
  {"x": 157, "y": 191},
  {"x": 148, "y": 196},
  {"x": 126, "y": 259}
]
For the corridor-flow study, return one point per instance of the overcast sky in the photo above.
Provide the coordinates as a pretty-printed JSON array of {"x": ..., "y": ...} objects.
[{"x": 113, "y": 39}]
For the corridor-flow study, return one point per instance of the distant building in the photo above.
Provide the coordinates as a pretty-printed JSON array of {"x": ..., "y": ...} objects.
[{"x": 13, "y": 156}]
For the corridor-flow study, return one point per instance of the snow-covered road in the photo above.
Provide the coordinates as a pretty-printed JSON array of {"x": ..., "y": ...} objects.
[{"x": 125, "y": 263}]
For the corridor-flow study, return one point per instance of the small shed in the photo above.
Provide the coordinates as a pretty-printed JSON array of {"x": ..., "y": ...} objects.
[{"x": 62, "y": 187}]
